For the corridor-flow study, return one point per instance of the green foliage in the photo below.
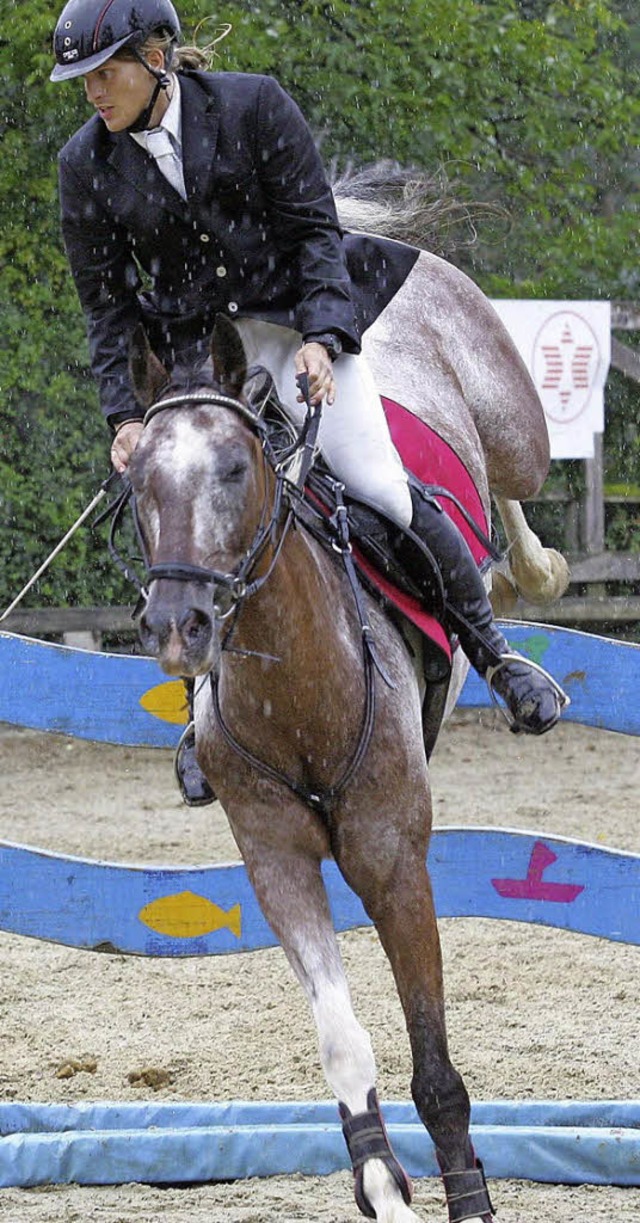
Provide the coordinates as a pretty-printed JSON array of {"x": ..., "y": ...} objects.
[
  {"x": 531, "y": 104},
  {"x": 538, "y": 113},
  {"x": 53, "y": 452}
]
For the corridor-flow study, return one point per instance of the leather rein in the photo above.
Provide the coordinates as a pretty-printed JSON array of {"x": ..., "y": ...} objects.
[{"x": 238, "y": 584}]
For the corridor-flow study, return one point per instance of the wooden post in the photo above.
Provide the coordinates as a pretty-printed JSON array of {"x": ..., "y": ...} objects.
[{"x": 593, "y": 501}]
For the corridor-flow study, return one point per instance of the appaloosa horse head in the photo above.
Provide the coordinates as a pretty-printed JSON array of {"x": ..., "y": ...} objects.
[
  {"x": 313, "y": 752},
  {"x": 200, "y": 490}
]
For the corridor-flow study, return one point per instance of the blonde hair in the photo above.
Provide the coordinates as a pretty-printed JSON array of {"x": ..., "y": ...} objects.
[{"x": 179, "y": 58}]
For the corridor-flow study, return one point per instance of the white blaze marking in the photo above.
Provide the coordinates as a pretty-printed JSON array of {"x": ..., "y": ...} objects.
[{"x": 189, "y": 456}]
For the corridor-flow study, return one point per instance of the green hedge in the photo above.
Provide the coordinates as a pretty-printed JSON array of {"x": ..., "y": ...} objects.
[{"x": 529, "y": 105}]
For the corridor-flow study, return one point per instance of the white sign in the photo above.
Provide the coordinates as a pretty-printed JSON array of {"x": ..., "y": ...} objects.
[{"x": 566, "y": 346}]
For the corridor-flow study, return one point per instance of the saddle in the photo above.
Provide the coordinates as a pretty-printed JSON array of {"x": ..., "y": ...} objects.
[{"x": 430, "y": 463}]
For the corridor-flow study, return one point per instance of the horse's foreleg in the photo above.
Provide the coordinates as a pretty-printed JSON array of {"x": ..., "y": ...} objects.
[
  {"x": 292, "y": 896},
  {"x": 396, "y": 892}
]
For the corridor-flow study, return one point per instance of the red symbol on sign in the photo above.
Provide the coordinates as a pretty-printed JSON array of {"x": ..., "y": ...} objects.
[
  {"x": 580, "y": 365},
  {"x": 553, "y": 366},
  {"x": 532, "y": 887},
  {"x": 565, "y": 362}
]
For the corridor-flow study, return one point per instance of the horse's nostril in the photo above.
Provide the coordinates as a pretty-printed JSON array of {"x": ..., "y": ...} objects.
[
  {"x": 147, "y": 628},
  {"x": 194, "y": 624}
]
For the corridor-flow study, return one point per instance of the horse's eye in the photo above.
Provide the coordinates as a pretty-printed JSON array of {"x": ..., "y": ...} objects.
[
  {"x": 232, "y": 465},
  {"x": 236, "y": 472}
]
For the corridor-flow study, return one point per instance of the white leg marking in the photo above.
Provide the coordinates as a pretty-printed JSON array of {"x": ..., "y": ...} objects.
[
  {"x": 349, "y": 1067},
  {"x": 381, "y": 1190},
  {"x": 345, "y": 1047}
]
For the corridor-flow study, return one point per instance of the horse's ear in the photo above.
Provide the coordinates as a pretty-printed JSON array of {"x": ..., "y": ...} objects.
[
  {"x": 147, "y": 373},
  {"x": 228, "y": 356}
]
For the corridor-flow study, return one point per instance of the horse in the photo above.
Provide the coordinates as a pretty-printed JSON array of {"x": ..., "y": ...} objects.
[
  {"x": 460, "y": 365},
  {"x": 313, "y": 751}
]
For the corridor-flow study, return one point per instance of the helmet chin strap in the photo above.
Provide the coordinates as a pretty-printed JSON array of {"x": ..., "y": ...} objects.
[{"x": 163, "y": 80}]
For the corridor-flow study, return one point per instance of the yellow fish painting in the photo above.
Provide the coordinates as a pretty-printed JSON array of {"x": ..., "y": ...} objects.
[
  {"x": 185, "y": 915},
  {"x": 167, "y": 701}
]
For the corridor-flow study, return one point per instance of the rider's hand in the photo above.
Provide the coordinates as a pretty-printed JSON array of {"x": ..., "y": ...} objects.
[
  {"x": 313, "y": 359},
  {"x": 124, "y": 443}
]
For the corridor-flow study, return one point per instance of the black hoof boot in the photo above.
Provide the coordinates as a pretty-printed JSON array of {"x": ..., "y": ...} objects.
[
  {"x": 533, "y": 699},
  {"x": 366, "y": 1138},
  {"x": 467, "y": 1195},
  {"x": 194, "y": 787}
]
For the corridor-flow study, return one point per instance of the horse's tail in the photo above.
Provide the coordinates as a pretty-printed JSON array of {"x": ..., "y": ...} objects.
[{"x": 408, "y": 204}]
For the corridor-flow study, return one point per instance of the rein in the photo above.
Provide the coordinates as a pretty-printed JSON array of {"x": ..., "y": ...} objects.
[{"x": 298, "y": 458}]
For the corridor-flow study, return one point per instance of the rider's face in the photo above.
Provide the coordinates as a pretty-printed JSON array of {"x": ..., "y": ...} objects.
[{"x": 120, "y": 89}]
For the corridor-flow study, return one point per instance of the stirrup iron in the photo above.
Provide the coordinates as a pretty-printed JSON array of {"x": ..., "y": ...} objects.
[
  {"x": 563, "y": 699},
  {"x": 194, "y": 786}
]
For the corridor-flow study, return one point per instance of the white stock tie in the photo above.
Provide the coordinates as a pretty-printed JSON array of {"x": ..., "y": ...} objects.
[{"x": 160, "y": 146}]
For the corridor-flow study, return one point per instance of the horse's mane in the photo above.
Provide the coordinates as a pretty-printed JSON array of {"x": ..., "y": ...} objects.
[{"x": 408, "y": 204}]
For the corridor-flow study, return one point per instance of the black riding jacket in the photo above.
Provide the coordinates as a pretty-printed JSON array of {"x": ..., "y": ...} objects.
[{"x": 257, "y": 236}]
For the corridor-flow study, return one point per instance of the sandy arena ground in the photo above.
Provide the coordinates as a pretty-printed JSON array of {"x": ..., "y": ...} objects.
[{"x": 533, "y": 1013}]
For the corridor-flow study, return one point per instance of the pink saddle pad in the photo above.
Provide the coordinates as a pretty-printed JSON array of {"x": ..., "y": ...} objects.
[{"x": 433, "y": 461}]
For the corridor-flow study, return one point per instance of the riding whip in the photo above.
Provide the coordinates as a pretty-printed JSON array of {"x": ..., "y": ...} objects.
[{"x": 104, "y": 488}]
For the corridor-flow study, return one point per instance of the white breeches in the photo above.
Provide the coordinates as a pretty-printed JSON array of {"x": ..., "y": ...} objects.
[{"x": 354, "y": 436}]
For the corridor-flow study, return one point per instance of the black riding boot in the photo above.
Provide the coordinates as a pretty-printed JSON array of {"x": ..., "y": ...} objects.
[
  {"x": 533, "y": 698},
  {"x": 194, "y": 787}
]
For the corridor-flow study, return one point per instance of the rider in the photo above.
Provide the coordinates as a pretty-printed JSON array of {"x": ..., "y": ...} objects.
[{"x": 190, "y": 193}]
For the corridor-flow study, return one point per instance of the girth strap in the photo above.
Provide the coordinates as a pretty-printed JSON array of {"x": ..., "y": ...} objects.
[{"x": 366, "y": 1138}]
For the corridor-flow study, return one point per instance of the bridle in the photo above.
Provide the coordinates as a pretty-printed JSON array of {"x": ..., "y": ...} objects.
[
  {"x": 237, "y": 584},
  {"x": 273, "y": 525}
]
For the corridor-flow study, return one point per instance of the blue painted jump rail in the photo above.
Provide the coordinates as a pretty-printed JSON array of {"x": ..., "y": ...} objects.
[
  {"x": 212, "y": 910},
  {"x": 177, "y": 911},
  {"x": 567, "y": 1142},
  {"x": 115, "y": 698}
]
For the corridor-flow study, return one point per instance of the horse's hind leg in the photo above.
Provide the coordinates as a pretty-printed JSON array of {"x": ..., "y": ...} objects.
[
  {"x": 292, "y": 896},
  {"x": 393, "y": 884},
  {"x": 541, "y": 574}
]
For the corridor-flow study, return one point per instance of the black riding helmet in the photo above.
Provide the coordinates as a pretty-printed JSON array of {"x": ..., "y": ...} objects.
[{"x": 89, "y": 32}]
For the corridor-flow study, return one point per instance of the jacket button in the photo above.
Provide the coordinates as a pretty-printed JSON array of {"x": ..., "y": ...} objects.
[
  {"x": 221, "y": 271},
  {"x": 233, "y": 307},
  {"x": 205, "y": 238}
]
